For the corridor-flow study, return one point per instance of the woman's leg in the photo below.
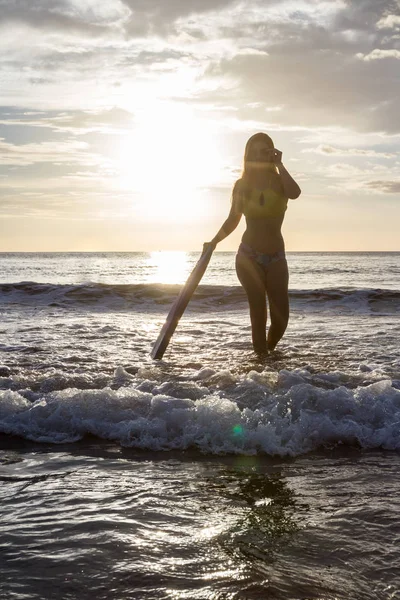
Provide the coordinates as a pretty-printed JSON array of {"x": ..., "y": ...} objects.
[
  {"x": 278, "y": 299},
  {"x": 251, "y": 276}
]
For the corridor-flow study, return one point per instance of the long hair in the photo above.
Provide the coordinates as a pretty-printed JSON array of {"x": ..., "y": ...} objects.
[{"x": 247, "y": 174}]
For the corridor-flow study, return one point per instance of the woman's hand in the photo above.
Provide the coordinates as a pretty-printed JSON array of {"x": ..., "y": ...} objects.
[{"x": 206, "y": 246}]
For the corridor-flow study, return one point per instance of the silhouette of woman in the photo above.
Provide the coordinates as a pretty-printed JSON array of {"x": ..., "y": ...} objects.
[{"x": 261, "y": 195}]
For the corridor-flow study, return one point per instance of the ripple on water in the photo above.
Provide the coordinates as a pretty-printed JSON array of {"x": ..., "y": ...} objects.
[{"x": 108, "y": 523}]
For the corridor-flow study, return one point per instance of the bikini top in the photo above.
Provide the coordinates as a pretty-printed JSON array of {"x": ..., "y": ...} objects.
[{"x": 258, "y": 204}]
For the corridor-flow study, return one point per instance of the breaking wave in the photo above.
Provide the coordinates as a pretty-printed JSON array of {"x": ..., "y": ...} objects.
[
  {"x": 283, "y": 413},
  {"x": 153, "y": 295}
]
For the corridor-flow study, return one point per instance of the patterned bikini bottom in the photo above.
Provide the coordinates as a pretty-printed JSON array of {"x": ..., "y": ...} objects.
[{"x": 264, "y": 260}]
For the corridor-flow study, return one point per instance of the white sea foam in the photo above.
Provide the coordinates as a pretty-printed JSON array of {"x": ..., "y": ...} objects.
[
  {"x": 150, "y": 297},
  {"x": 285, "y": 414},
  {"x": 62, "y": 339}
]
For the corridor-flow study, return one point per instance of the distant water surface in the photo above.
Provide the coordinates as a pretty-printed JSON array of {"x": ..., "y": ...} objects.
[{"x": 307, "y": 269}]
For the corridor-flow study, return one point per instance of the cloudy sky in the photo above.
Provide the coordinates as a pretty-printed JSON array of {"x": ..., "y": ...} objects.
[{"x": 123, "y": 122}]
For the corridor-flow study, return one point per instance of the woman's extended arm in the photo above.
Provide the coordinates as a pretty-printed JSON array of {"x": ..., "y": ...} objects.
[
  {"x": 231, "y": 222},
  {"x": 229, "y": 225},
  {"x": 290, "y": 187}
]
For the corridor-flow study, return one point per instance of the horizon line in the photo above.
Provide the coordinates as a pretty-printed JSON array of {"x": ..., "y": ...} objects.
[{"x": 160, "y": 250}]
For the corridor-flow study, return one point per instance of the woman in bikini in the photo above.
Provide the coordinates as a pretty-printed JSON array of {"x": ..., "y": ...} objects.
[{"x": 261, "y": 195}]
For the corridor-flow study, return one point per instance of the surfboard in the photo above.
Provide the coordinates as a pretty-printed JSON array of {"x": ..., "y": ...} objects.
[{"x": 181, "y": 302}]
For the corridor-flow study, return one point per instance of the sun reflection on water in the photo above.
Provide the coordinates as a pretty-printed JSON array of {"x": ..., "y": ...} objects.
[{"x": 168, "y": 267}]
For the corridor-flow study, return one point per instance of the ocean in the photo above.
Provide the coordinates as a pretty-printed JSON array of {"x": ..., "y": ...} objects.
[{"x": 211, "y": 474}]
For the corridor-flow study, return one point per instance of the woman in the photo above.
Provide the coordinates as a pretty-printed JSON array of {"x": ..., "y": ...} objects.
[{"x": 261, "y": 195}]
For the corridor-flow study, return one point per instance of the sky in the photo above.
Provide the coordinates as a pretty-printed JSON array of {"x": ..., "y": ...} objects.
[{"x": 123, "y": 122}]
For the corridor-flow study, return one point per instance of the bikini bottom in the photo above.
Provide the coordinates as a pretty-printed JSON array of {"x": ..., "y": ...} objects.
[{"x": 264, "y": 260}]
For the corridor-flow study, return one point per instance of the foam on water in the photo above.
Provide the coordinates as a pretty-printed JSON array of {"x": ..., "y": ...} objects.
[{"x": 217, "y": 412}]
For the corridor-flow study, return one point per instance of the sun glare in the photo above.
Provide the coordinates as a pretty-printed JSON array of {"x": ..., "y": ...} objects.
[
  {"x": 167, "y": 159},
  {"x": 168, "y": 267}
]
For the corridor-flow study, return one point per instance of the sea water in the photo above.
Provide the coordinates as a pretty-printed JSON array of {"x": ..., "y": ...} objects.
[{"x": 209, "y": 474}]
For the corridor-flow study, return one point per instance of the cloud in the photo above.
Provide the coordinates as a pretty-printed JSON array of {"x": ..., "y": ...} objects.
[
  {"x": 315, "y": 89},
  {"x": 69, "y": 151},
  {"x": 132, "y": 17},
  {"x": 88, "y": 75},
  {"x": 315, "y": 70},
  {"x": 386, "y": 187},
  {"x": 389, "y": 22},
  {"x": 112, "y": 120},
  {"x": 251, "y": 52},
  {"x": 362, "y": 15},
  {"x": 343, "y": 170},
  {"x": 158, "y": 16},
  {"x": 317, "y": 60},
  {"x": 80, "y": 16},
  {"x": 65, "y": 203},
  {"x": 332, "y": 151},
  {"x": 378, "y": 54}
]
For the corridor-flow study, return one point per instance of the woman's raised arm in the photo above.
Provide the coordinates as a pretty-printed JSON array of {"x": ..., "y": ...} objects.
[{"x": 290, "y": 187}]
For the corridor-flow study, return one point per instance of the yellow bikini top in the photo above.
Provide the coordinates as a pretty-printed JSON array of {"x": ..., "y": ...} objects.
[{"x": 258, "y": 204}]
